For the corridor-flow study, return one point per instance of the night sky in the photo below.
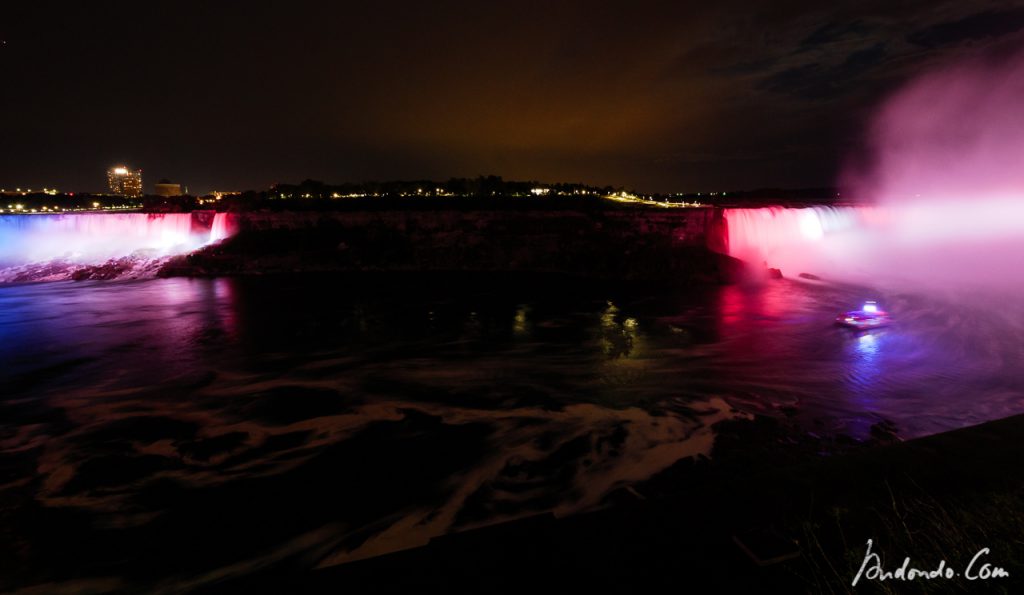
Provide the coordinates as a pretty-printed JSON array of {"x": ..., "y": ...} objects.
[{"x": 656, "y": 96}]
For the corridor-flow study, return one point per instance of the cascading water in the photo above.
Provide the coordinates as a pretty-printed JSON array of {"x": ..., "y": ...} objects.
[
  {"x": 943, "y": 172},
  {"x": 817, "y": 240},
  {"x": 92, "y": 238},
  {"x": 941, "y": 247},
  {"x": 223, "y": 227}
]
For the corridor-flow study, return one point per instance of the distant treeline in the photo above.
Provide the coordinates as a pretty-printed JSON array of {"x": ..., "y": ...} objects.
[{"x": 479, "y": 186}]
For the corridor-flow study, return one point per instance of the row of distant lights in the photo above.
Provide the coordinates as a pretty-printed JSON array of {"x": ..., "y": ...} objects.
[
  {"x": 438, "y": 192},
  {"x": 216, "y": 197},
  {"x": 27, "y": 191},
  {"x": 616, "y": 196},
  {"x": 20, "y": 209},
  {"x": 632, "y": 198},
  {"x": 419, "y": 192}
]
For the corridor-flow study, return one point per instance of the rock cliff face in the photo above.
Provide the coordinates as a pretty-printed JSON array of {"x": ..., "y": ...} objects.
[{"x": 637, "y": 244}]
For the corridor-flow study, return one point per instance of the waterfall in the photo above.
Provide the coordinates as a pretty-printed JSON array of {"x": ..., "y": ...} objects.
[
  {"x": 819, "y": 240},
  {"x": 92, "y": 238},
  {"x": 223, "y": 227}
]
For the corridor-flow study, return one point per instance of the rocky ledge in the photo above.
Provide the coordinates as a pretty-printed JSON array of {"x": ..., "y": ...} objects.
[{"x": 642, "y": 245}]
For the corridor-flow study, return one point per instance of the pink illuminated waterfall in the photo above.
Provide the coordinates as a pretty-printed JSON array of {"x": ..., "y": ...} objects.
[
  {"x": 820, "y": 240},
  {"x": 223, "y": 227},
  {"x": 944, "y": 174}
]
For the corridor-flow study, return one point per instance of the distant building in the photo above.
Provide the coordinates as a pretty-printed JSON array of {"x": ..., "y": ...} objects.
[
  {"x": 124, "y": 181},
  {"x": 167, "y": 188}
]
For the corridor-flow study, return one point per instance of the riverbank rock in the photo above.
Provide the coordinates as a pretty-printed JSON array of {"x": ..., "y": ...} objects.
[{"x": 633, "y": 246}]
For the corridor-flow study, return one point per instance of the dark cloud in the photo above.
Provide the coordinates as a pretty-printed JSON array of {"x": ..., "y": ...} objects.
[
  {"x": 797, "y": 80},
  {"x": 984, "y": 25},
  {"x": 236, "y": 95},
  {"x": 745, "y": 68},
  {"x": 815, "y": 81},
  {"x": 833, "y": 32}
]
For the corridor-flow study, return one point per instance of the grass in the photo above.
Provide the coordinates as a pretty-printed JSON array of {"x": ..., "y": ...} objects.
[{"x": 908, "y": 520}]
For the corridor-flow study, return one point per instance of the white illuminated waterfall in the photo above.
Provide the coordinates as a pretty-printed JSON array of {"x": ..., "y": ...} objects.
[{"x": 92, "y": 238}]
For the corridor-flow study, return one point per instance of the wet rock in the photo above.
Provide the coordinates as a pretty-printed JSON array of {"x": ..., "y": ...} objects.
[
  {"x": 112, "y": 269},
  {"x": 632, "y": 244}
]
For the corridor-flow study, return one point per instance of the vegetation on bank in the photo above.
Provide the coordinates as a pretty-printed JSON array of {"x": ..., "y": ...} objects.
[
  {"x": 572, "y": 243},
  {"x": 940, "y": 498}
]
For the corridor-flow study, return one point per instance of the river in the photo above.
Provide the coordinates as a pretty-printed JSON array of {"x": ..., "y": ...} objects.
[{"x": 338, "y": 417}]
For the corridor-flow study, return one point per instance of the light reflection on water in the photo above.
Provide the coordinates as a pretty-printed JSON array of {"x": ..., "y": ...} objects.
[{"x": 408, "y": 408}]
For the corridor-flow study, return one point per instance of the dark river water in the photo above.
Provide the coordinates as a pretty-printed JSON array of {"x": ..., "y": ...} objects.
[{"x": 163, "y": 434}]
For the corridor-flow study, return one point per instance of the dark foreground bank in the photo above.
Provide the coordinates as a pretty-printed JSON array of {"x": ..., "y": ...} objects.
[
  {"x": 952, "y": 499},
  {"x": 945, "y": 497}
]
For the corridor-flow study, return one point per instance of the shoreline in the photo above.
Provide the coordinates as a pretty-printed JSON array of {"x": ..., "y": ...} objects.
[{"x": 929, "y": 498}]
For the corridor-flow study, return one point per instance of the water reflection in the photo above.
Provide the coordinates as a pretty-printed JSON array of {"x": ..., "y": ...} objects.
[
  {"x": 772, "y": 340},
  {"x": 866, "y": 359},
  {"x": 153, "y": 331},
  {"x": 867, "y": 347},
  {"x": 520, "y": 324},
  {"x": 409, "y": 408},
  {"x": 620, "y": 337}
]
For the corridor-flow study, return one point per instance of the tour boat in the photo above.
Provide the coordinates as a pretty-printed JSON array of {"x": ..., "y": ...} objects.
[{"x": 867, "y": 317}]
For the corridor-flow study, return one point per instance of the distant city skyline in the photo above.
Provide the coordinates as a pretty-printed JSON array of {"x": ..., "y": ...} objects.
[{"x": 125, "y": 181}]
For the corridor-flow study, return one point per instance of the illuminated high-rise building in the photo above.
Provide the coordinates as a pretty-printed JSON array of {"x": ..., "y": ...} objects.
[{"x": 125, "y": 181}]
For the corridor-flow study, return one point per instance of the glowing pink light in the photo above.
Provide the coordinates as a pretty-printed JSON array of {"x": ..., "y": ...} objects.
[{"x": 944, "y": 177}]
